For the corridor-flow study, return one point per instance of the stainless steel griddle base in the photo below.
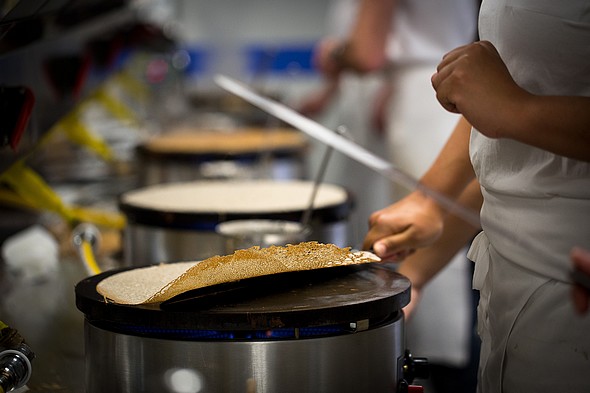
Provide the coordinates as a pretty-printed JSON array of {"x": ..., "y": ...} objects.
[
  {"x": 368, "y": 361},
  {"x": 330, "y": 330}
]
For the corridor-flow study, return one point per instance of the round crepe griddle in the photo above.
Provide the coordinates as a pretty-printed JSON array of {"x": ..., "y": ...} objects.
[
  {"x": 201, "y": 205},
  {"x": 321, "y": 297},
  {"x": 207, "y": 144}
]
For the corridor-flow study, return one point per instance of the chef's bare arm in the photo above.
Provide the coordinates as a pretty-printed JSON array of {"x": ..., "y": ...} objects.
[{"x": 417, "y": 220}]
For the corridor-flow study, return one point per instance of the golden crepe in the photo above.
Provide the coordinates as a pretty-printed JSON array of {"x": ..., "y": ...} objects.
[
  {"x": 159, "y": 283},
  {"x": 234, "y": 196}
]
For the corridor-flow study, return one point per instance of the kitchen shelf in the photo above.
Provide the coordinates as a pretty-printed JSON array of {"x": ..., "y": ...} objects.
[{"x": 59, "y": 28}]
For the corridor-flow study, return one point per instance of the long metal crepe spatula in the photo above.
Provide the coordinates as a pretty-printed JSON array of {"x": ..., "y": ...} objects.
[
  {"x": 379, "y": 165},
  {"x": 344, "y": 145}
]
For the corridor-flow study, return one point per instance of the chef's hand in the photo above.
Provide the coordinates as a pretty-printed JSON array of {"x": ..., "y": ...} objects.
[
  {"x": 474, "y": 81},
  {"x": 581, "y": 296},
  {"x": 324, "y": 58},
  {"x": 397, "y": 230}
]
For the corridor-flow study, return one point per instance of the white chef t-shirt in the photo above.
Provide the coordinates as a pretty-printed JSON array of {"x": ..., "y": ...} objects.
[{"x": 537, "y": 204}]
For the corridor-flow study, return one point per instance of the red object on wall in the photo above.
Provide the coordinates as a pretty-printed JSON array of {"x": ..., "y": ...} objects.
[{"x": 16, "y": 105}]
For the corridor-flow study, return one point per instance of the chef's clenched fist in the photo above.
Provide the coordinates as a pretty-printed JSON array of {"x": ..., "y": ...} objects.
[{"x": 474, "y": 81}]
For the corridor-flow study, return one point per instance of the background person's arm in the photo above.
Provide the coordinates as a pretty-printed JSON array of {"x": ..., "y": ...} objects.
[{"x": 363, "y": 51}]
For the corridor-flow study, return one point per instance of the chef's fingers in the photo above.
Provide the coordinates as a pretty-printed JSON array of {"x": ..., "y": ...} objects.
[
  {"x": 444, "y": 82},
  {"x": 459, "y": 70},
  {"x": 380, "y": 227},
  {"x": 581, "y": 259},
  {"x": 391, "y": 248},
  {"x": 397, "y": 256},
  {"x": 451, "y": 56},
  {"x": 580, "y": 299},
  {"x": 374, "y": 236},
  {"x": 581, "y": 296},
  {"x": 474, "y": 48},
  {"x": 443, "y": 92},
  {"x": 398, "y": 246}
]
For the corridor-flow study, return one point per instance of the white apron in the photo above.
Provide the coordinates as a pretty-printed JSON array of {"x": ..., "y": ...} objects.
[
  {"x": 536, "y": 208},
  {"x": 532, "y": 339}
]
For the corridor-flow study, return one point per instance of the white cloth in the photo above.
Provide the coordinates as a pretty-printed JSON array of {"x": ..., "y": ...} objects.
[
  {"x": 543, "y": 345},
  {"x": 546, "y": 47},
  {"x": 536, "y": 207},
  {"x": 424, "y": 30},
  {"x": 341, "y": 16}
]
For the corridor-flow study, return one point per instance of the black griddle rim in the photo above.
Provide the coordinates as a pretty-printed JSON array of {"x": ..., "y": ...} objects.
[
  {"x": 96, "y": 309},
  {"x": 247, "y": 335},
  {"x": 203, "y": 157}
]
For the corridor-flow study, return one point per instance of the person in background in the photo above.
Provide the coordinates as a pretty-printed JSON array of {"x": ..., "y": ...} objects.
[
  {"x": 400, "y": 43},
  {"x": 524, "y": 93},
  {"x": 348, "y": 101}
]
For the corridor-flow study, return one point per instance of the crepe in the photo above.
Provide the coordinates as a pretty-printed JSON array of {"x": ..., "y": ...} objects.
[
  {"x": 234, "y": 196},
  {"x": 159, "y": 283},
  {"x": 243, "y": 140}
]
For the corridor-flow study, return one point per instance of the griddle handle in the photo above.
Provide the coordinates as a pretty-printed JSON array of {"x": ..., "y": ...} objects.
[{"x": 415, "y": 367}]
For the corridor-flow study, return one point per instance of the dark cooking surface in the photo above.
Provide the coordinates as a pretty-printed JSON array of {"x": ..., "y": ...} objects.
[{"x": 312, "y": 298}]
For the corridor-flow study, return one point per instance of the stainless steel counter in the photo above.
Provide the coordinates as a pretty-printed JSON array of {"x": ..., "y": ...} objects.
[{"x": 45, "y": 314}]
